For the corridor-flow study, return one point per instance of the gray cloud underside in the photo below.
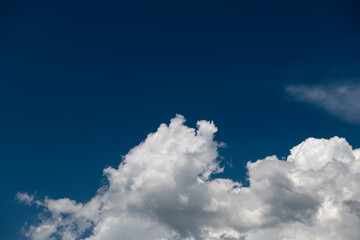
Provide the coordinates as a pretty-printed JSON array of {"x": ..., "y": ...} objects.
[
  {"x": 162, "y": 190},
  {"x": 341, "y": 100}
]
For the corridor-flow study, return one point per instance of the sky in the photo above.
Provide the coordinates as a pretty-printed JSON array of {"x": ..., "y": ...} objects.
[{"x": 83, "y": 82}]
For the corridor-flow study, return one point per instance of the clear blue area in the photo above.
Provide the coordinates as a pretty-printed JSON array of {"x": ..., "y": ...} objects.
[{"x": 84, "y": 81}]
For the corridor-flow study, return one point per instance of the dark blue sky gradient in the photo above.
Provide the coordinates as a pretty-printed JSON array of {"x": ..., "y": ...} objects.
[{"x": 84, "y": 81}]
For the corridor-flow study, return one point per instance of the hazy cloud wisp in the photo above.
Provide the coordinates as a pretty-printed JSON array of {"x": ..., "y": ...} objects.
[
  {"x": 163, "y": 190},
  {"x": 341, "y": 100}
]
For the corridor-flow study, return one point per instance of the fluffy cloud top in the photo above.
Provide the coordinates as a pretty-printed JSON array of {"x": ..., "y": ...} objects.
[
  {"x": 164, "y": 189},
  {"x": 341, "y": 100}
]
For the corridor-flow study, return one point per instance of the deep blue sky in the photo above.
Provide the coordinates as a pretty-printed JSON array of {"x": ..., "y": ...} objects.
[{"x": 84, "y": 81}]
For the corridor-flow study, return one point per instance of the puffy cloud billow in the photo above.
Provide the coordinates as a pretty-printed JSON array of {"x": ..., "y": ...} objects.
[{"x": 165, "y": 188}]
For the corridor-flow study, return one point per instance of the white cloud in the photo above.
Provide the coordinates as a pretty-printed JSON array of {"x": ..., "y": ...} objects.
[
  {"x": 25, "y": 198},
  {"x": 341, "y": 100},
  {"x": 163, "y": 190}
]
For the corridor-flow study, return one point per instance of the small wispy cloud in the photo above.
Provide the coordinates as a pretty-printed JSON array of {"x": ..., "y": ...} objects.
[
  {"x": 25, "y": 198},
  {"x": 341, "y": 100}
]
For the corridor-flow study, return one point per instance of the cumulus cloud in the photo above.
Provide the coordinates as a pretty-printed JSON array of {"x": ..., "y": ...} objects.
[
  {"x": 341, "y": 100},
  {"x": 165, "y": 188}
]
